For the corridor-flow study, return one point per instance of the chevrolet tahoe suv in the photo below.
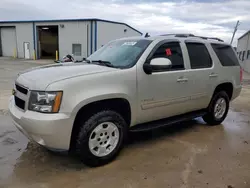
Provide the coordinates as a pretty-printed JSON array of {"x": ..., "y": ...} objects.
[{"x": 130, "y": 84}]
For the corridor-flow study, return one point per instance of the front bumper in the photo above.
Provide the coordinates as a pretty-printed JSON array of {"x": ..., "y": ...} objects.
[{"x": 50, "y": 130}]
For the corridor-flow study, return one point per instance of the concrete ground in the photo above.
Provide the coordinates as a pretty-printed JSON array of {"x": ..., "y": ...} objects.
[
  {"x": 187, "y": 155},
  {"x": 246, "y": 75}
]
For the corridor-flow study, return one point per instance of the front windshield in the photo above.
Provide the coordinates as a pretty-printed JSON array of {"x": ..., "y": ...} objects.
[{"x": 121, "y": 53}]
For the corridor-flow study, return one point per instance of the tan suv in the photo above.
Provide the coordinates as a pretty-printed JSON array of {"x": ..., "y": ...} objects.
[{"x": 134, "y": 84}]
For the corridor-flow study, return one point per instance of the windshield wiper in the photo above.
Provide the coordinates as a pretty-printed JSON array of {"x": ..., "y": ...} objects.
[
  {"x": 87, "y": 60},
  {"x": 101, "y": 62}
]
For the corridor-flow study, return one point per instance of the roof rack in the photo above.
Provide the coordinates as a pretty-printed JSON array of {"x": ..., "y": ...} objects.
[
  {"x": 179, "y": 35},
  {"x": 213, "y": 38},
  {"x": 192, "y": 35}
]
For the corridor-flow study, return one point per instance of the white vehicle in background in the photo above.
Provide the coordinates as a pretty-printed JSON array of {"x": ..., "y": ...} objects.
[{"x": 131, "y": 84}]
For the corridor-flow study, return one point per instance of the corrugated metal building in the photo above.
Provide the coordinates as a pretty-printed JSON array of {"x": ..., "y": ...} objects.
[
  {"x": 243, "y": 51},
  {"x": 42, "y": 38}
]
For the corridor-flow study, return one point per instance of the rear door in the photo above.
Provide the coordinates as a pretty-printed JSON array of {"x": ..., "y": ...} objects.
[{"x": 202, "y": 74}]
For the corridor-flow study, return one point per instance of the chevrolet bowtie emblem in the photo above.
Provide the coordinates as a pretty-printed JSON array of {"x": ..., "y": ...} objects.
[{"x": 13, "y": 91}]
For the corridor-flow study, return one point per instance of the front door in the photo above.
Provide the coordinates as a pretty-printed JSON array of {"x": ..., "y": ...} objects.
[
  {"x": 167, "y": 93},
  {"x": 26, "y": 50}
]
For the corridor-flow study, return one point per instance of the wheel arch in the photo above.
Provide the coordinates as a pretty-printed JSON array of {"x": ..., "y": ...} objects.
[
  {"x": 227, "y": 87},
  {"x": 118, "y": 104}
]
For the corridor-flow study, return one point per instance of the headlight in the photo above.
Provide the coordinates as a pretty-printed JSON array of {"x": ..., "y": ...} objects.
[{"x": 46, "y": 102}]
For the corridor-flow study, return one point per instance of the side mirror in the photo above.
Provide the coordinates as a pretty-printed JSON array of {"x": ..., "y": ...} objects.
[{"x": 157, "y": 65}]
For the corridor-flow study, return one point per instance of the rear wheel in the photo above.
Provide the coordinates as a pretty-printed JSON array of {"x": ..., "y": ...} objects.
[
  {"x": 101, "y": 138},
  {"x": 218, "y": 109}
]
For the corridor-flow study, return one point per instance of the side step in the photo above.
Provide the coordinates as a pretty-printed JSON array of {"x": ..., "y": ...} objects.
[{"x": 168, "y": 121}]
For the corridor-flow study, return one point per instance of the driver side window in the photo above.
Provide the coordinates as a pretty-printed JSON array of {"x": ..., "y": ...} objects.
[{"x": 172, "y": 51}]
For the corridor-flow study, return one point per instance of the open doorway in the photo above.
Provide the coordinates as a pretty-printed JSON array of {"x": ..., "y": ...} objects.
[{"x": 47, "y": 41}]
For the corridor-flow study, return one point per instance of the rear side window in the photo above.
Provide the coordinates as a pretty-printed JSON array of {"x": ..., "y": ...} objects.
[
  {"x": 199, "y": 56},
  {"x": 226, "y": 55}
]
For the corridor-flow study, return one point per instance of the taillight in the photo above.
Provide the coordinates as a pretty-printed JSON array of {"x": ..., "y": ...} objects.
[{"x": 241, "y": 74}]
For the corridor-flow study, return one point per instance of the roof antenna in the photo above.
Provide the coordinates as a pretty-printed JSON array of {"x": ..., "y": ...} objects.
[{"x": 147, "y": 35}]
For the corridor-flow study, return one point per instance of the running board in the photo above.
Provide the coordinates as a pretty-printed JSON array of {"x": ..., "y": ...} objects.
[{"x": 168, "y": 121}]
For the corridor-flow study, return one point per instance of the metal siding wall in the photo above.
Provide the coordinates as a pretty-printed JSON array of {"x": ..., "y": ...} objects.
[
  {"x": 72, "y": 33},
  {"x": 24, "y": 33},
  {"x": 244, "y": 45},
  {"x": 91, "y": 37},
  {"x": 110, "y": 31},
  {"x": 8, "y": 41},
  {"x": 93, "y": 34},
  {"x": 96, "y": 36}
]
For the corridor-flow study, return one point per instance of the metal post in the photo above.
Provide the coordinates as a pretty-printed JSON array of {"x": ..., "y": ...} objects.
[
  {"x": 14, "y": 55},
  {"x": 235, "y": 29},
  {"x": 34, "y": 54},
  {"x": 56, "y": 55}
]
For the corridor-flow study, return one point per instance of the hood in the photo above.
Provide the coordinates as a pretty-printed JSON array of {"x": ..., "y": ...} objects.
[{"x": 39, "y": 78}]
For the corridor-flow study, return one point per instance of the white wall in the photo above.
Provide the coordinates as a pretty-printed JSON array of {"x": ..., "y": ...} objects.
[
  {"x": 72, "y": 33},
  {"x": 24, "y": 33},
  {"x": 109, "y": 31},
  {"x": 244, "y": 45}
]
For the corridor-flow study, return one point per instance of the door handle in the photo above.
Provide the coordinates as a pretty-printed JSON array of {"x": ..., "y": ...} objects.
[
  {"x": 213, "y": 75},
  {"x": 182, "y": 80}
]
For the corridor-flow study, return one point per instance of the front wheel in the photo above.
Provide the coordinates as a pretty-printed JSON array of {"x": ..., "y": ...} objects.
[
  {"x": 101, "y": 138},
  {"x": 218, "y": 109}
]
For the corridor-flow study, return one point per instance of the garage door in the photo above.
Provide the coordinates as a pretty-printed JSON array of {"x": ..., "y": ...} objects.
[{"x": 8, "y": 41}]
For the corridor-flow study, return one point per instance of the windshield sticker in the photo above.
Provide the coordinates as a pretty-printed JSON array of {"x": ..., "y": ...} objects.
[
  {"x": 129, "y": 43},
  {"x": 168, "y": 52}
]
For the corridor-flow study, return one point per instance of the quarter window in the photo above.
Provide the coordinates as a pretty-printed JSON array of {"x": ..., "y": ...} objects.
[
  {"x": 226, "y": 54},
  {"x": 199, "y": 56},
  {"x": 172, "y": 51}
]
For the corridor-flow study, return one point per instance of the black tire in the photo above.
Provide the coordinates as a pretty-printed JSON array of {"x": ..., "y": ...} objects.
[
  {"x": 209, "y": 117},
  {"x": 82, "y": 140}
]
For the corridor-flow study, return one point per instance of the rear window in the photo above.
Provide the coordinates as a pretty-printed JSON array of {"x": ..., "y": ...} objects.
[{"x": 225, "y": 54}]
